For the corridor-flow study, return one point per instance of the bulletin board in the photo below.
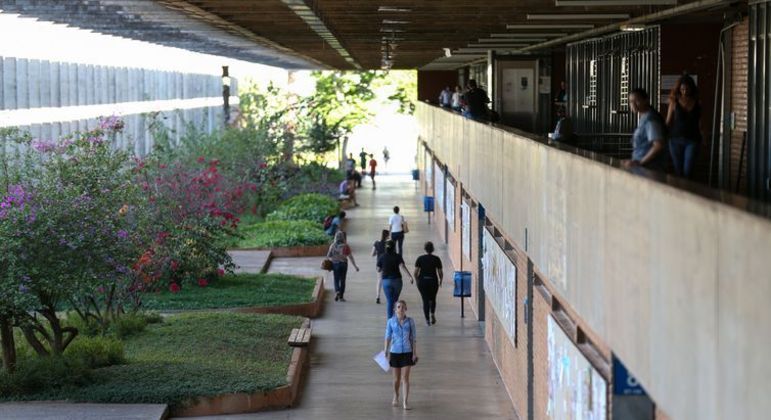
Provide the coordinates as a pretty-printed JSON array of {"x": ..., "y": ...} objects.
[
  {"x": 465, "y": 226},
  {"x": 576, "y": 390},
  {"x": 500, "y": 284}
]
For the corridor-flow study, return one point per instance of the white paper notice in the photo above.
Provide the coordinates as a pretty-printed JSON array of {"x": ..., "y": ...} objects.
[{"x": 382, "y": 361}]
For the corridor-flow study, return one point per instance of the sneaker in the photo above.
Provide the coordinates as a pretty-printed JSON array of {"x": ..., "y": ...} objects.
[
  {"x": 342, "y": 299},
  {"x": 433, "y": 319},
  {"x": 377, "y": 300},
  {"x": 428, "y": 323},
  {"x": 337, "y": 297}
]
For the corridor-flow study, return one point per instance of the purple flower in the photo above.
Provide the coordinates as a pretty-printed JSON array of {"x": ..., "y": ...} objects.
[
  {"x": 123, "y": 234},
  {"x": 43, "y": 146},
  {"x": 111, "y": 123},
  {"x": 23, "y": 288}
]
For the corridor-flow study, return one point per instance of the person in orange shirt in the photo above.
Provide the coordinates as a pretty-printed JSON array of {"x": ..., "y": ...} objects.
[{"x": 372, "y": 166}]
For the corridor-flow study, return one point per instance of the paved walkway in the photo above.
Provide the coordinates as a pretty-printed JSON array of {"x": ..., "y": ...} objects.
[{"x": 456, "y": 377}]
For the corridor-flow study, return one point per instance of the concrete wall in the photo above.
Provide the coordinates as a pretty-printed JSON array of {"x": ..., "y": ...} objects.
[
  {"x": 673, "y": 283},
  {"x": 27, "y": 84}
]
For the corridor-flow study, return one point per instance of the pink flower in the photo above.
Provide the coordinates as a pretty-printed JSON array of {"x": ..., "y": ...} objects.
[
  {"x": 220, "y": 272},
  {"x": 203, "y": 282},
  {"x": 174, "y": 265},
  {"x": 174, "y": 288},
  {"x": 201, "y": 159}
]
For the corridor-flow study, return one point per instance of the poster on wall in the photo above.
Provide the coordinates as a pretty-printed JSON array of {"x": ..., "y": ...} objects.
[
  {"x": 465, "y": 226},
  {"x": 450, "y": 212},
  {"x": 500, "y": 280},
  {"x": 438, "y": 186},
  {"x": 429, "y": 173},
  {"x": 576, "y": 389}
]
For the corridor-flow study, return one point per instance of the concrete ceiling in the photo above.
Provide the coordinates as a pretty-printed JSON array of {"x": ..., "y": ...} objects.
[{"x": 341, "y": 34}]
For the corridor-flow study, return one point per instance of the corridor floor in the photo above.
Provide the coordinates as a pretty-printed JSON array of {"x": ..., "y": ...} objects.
[{"x": 455, "y": 377}]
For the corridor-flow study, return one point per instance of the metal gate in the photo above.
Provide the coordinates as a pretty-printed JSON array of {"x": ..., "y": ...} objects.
[
  {"x": 759, "y": 101},
  {"x": 601, "y": 72}
]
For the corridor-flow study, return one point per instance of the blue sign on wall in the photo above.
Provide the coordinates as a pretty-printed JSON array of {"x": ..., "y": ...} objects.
[
  {"x": 428, "y": 203},
  {"x": 623, "y": 382}
]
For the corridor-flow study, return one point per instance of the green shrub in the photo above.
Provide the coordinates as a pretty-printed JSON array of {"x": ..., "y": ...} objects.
[
  {"x": 95, "y": 352},
  {"x": 86, "y": 327},
  {"x": 128, "y": 324},
  {"x": 282, "y": 233},
  {"x": 314, "y": 207},
  {"x": 35, "y": 374}
]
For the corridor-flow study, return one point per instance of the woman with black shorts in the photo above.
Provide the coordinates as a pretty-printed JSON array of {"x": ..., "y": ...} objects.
[
  {"x": 428, "y": 272},
  {"x": 401, "y": 351}
]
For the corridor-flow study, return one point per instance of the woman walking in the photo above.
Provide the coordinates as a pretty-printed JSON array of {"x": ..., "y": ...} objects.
[
  {"x": 339, "y": 253},
  {"x": 390, "y": 265},
  {"x": 378, "y": 249},
  {"x": 396, "y": 225},
  {"x": 683, "y": 118},
  {"x": 401, "y": 350},
  {"x": 428, "y": 271}
]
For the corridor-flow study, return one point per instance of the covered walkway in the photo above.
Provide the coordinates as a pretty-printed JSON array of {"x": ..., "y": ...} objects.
[{"x": 455, "y": 378}]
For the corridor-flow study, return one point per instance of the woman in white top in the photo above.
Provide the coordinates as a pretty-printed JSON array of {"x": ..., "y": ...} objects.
[
  {"x": 396, "y": 226},
  {"x": 456, "y": 96}
]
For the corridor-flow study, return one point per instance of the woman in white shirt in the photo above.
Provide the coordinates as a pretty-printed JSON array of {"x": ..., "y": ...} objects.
[{"x": 396, "y": 225}]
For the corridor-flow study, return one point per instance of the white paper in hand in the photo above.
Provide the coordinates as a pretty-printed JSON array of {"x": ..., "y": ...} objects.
[{"x": 382, "y": 361}]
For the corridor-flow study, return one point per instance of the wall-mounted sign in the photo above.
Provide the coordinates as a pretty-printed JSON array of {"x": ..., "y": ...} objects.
[
  {"x": 450, "y": 204},
  {"x": 623, "y": 382},
  {"x": 439, "y": 186}
]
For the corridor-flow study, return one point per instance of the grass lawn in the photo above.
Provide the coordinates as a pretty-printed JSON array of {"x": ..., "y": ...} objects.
[
  {"x": 189, "y": 355},
  {"x": 236, "y": 290},
  {"x": 281, "y": 233}
]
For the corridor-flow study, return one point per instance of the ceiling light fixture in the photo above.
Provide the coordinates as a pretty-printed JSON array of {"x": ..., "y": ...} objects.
[
  {"x": 394, "y": 22},
  {"x": 494, "y": 40},
  {"x": 495, "y": 46},
  {"x": 590, "y": 3},
  {"x": 560, "y": 27},
  {"x": 391, "y": 30},
  {"x": 391, "y": 9},
  {"x": 632, "y": 28},
  {"x": 447, "y": 52},
  {"x": 578, "y": 16}
]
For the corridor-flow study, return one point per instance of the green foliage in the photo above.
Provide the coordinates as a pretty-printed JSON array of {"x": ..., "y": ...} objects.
[
  {"x": 128, "y": 325},
  {"x": 281, "y": 233},
  {"x": 187, "y": 356},
  {"x": 34, "y": 374},
  {"x": 96, "y": 352},
  {"x": 312, "y": 206},
  {"x": 237, "y": 290}
]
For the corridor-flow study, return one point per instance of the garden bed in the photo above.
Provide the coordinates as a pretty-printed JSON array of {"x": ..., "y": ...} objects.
[
  {"x": 191, "y": 357},
  {"x": 281, "y": 234},
  {"x": 237, "y": 291}
]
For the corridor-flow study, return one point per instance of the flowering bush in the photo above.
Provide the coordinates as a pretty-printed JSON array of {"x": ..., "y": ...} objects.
[
  {"x": 66, "y": 239},
  {"x": 193, "y": 208}
]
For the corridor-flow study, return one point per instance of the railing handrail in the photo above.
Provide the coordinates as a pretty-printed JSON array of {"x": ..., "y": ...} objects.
[{"x": 743, "y": 203}]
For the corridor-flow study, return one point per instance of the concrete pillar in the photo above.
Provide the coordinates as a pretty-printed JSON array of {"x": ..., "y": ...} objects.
[
  {"x": 72, "y": 87},
  {"x": 90, "y": 84},
  {"x": 54, "y": 92},
  {"x": 9, "y": 83},
  {"x": 45, "y": 83},
  {"x": 33, "y": 83},
  {"x": 22, "y": 85}
]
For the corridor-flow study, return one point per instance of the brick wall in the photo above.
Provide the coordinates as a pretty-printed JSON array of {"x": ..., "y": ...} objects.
[{"x": 739, "y": 62}]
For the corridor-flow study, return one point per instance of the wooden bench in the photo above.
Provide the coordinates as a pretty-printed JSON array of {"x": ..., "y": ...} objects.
[{"x": 300, "y": 337}]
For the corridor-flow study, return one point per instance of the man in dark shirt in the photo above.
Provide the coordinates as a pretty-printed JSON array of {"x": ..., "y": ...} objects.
[{"x": 476, "y": 101}]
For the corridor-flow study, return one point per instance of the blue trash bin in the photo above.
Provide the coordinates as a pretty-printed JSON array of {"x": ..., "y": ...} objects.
[
  {"x": 428, "y": 203},
  {"x": 462, "y": 284},
  {"x": 415, "y": 175}
]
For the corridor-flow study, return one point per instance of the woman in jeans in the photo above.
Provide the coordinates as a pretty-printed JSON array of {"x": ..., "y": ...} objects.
[
  {"x": 389, "y": 265},
  {"x": 428, "y": 271},
  {"x": 401, "y": 350},
  {"x": 339, "y": 253},
  {"x": 683, "y": 118},
  {"x": 378, "y": 249}
]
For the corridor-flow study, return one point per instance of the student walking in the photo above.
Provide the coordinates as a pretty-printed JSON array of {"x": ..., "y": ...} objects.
[
  {"x": 339, "y": 253},
  {"x": 401, "y": 350},
  {"x": 390, "y": 265},
  {"x": 397, "y": 224},
  {"x": 372, "y": 166},
  {"x": 683, "y": 119},
  {"x": 378, "y": 249},
  {"x": 428, "y": 272}
]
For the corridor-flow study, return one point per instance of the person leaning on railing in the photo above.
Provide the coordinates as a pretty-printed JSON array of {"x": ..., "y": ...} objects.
[{"x": 649, "y": 138}]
